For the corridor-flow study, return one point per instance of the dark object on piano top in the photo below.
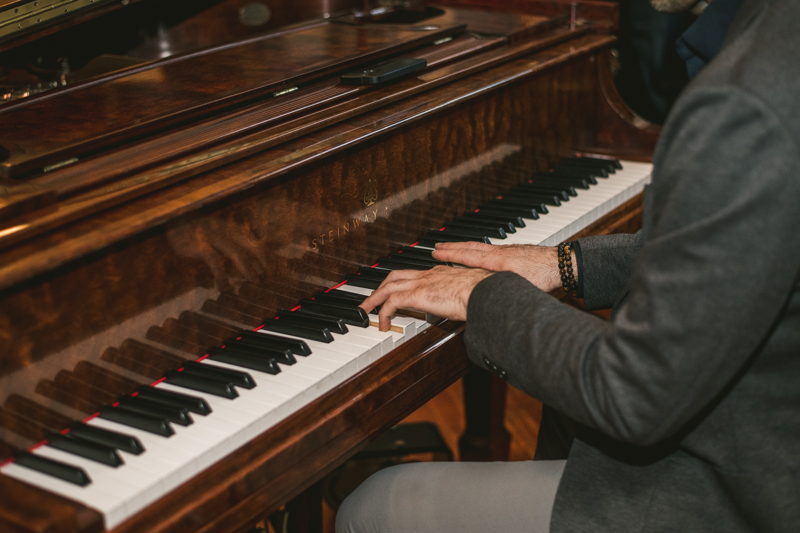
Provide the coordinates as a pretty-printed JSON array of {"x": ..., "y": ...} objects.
[
  {"x": 96, "y": 452},
  {"x": 47, "y": 466},
  {"x": 106, "y": 437},
  {"x": 383, "y": 72}
]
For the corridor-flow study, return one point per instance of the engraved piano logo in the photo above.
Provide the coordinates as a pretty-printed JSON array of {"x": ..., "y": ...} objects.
[{"x": 371, "y": 196}]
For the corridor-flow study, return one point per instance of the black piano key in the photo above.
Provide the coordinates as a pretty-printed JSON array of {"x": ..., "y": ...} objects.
[
  {"x": 238, "y": 378},
  {"x": 430, "y": 261},
  {"x": 297, "y": 347},
  {"x": 563, "y": 189},
  {"x": 562, "y": 193},
  {"x": 507, "y": 225},
  {"x": 388, "y": 263},
  {"x": 407, "y": 258},
  {"x": 611, "y": 165},
  {"x": 313, "y": 334},
  {"x": 120, "y": 441},
  {"x": 253, "y": 362},
  {"x": 577, "y": 172},
  {"x": 588, "y": 180},
  {"x": 509, "y": 210},
  {"x": 194, "y": 404},
  {"x": 413, "y": 251},
  {"x": 568, "y": 184},
  {"x": 475, "y": 224},
  {"x": 352, "y": 316},
  {"x": 253, "y": 349},
  {"x": 151, "y": 424},
  {"x": 333, "y": 299},
  {"x": 71, "y": 474},
  {"x": 532, "y": 199},
  {"x": 90, "y": 450},
  {"x": 176, "y": 415},
  {"x": 536, "y": 197},
  {"x": 357, "y": 298},
  {"x": 517, "y": 222},
  {"x": 341, "y": 294},
  {"x": 496, "y": 233},
  {"x": 363, "y": 282},
  {"x": 435, "y": 236},
  {"x": 538, "y": 207},
  {"x": 334, "y": 325},
  {"x": 210, "y": 386},
  {"x": 372, "y": 273},
  {"x": 596, "y": 171}
]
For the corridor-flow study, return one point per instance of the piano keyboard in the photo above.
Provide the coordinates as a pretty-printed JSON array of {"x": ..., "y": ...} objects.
[{"x": 132, "y": 453}]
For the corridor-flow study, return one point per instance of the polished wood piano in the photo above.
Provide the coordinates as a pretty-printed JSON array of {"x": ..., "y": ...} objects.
[{"x": 164, "y": 199}]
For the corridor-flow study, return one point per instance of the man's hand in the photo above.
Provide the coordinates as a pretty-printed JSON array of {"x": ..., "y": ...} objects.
[
  {"x": 442, "y": 291},
  {"x": 537, "y": 264}
]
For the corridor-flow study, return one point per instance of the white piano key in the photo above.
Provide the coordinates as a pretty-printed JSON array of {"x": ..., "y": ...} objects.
[{"x": 113, "y": 508}]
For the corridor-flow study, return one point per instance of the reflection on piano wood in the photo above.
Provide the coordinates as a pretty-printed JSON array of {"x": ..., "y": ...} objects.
[{"x": 199, "y": 202}]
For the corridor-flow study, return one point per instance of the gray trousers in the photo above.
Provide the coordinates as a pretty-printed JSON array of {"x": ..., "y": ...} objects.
[{"x": 454, "y": 498}]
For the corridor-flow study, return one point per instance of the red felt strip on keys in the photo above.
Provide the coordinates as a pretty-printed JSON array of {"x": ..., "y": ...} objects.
[
  {"x": 38, "y": 445},
  {"x": 334, "y": 287},
  {"x": 153, "y": 384},
  {"x": 205, "y": 356},
  {"x": 90, "y": 417}
]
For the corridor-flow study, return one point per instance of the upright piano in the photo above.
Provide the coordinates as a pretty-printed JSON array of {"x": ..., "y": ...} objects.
[{"x": 187, "y": 224}]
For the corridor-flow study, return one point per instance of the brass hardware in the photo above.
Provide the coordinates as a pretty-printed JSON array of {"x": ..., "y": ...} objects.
[{"x": 24, "y": 16}]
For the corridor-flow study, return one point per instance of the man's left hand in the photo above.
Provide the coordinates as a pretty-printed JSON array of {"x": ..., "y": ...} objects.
[{"x": 441, "y": 291}]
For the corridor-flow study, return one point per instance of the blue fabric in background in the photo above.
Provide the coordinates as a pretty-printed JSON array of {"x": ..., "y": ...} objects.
[{"x": 702, "y": 40}]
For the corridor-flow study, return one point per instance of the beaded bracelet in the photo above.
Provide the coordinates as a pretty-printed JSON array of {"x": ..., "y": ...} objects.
[{"x": 568, "y": 280}]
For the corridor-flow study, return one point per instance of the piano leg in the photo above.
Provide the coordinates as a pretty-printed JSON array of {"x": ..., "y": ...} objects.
[
  {"x": 485, "y": 437},
  {"x": 304, "y": 512}
]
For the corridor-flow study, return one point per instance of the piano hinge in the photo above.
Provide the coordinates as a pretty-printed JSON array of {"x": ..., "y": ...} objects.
[
  {"x": 285, "y": 91},
  {"x": 28, "y": 15},
  {"x": 60, "y": 164}
]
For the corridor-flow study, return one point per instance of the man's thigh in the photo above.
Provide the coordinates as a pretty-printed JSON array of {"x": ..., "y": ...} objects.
[{"x": 454, "y": 497}]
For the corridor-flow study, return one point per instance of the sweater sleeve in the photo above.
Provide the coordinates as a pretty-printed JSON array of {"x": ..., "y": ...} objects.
[
  {"x": 606, "y": 264},
  {"x": 704, "y": 292}
]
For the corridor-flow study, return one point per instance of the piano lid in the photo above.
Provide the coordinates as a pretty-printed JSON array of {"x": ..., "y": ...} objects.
[{"x": 87, "y": 117}]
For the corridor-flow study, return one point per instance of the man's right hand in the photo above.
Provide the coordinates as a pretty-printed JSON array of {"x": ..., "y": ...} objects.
[{"x": 537, "y": 264}]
